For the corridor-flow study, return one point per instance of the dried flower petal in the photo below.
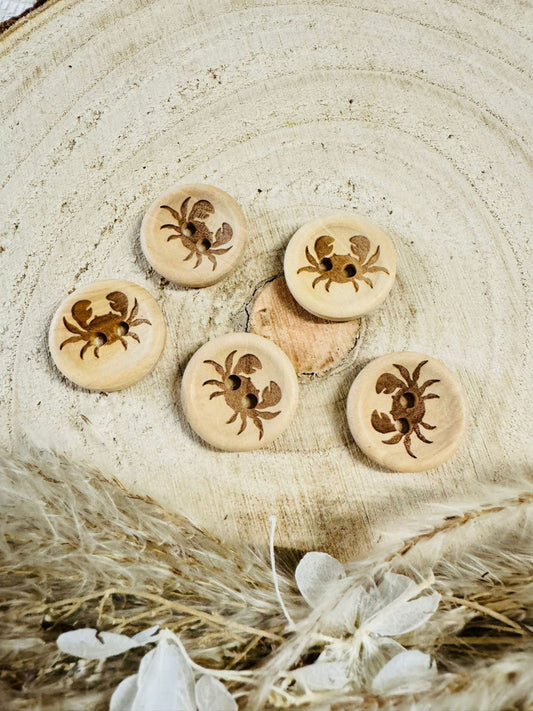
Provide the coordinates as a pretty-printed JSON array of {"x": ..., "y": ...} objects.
[
  {"x": 407, "y": 617},
  {"x": 147, "y": 636},
  {"x": 211, "y": 694},
  {"x": 322, "y": 675},
  {"x": 392, "y": 611},
  {"x": 343, "y": 616},
  {"x": 314, "y": 573},
  {"x": 88, "y": 643},
  {"x": 409, "y": 671},
  {"x": 124, "y": 695},
  {"x": 165, "y": 680}
]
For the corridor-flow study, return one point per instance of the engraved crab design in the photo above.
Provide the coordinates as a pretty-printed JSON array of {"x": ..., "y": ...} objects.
[
  {"x": 408, "y": 406},
  {"x": 195, "y": 235},
  {"x": 99, "y": 331},
  {"x": 342, "y": 268},
  {"x": 240, "y": 393}
]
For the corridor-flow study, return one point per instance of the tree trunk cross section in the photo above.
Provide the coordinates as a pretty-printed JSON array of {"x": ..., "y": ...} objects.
[{"x": 416, "y": 115}]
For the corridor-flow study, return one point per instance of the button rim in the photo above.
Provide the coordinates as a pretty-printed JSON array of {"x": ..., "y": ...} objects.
[
  {"x": 56, "y": 322},
  {"x": 188, "y": 385},
  {"x": 362, "y": 224},
  {"x": 368, "y": 445},
  {"x": 216, "y": 276}
]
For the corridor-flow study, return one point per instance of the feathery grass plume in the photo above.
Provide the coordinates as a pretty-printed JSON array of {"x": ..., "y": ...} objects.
[
  {"x": 480, "y": 554},
  {"x": 76, "y": 550}
]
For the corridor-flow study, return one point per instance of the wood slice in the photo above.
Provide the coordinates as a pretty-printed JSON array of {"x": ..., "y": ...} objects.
[{"x": 416, "y": 115}]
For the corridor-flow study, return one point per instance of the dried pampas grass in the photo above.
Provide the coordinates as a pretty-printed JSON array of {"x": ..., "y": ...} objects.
[{"x": 79, "y": 551}]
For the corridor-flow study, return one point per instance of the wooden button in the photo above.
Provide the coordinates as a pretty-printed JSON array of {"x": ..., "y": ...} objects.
[
  {"x": 407, "y": 411},
  {"x": 194, "y": 235},
  {"x": 107, "y": 335},
  {"x": 314, "y": 346},
  {"x": 239, "y": 392},
  {"x": 340, "y": 267}
]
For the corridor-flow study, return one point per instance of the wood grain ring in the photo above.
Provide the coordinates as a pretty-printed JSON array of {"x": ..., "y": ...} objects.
[{"x": 329, "y": 107}]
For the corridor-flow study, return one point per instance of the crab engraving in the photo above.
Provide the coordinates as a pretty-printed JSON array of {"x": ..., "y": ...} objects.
[
  {"x": 195, "y": 235},
  {"x": 99, "y": 331},
  {"x": 408, "y": 406},
  {"x": 342, "y": 268},
  {"x": 240, "y": 393}
]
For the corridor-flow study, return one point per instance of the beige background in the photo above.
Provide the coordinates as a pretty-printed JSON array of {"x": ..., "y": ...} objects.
[{"x": 415, "y": 114}]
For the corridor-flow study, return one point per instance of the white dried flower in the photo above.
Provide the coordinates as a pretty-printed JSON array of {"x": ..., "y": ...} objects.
[
  {"x": 166, "y": 676},
  {"x": 372, "y": 618}
]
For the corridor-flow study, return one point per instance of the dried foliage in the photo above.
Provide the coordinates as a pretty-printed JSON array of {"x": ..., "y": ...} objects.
[{"x": 79, "y": 551}]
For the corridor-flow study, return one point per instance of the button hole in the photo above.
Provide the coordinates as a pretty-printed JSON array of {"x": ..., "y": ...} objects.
[{"x": 233, "y": 382}]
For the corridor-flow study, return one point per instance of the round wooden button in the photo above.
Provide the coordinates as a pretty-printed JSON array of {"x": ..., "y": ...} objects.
[
  {"x": 407, "y": 411},
  {"x": 194, "y": 235},
  {"x": 107, "y": 335},
  {"x": 239, "y": 392},
  {"x": 340, "y": 267}
]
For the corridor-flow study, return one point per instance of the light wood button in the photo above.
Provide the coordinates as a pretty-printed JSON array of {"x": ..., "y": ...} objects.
[
  {"x": 107, "y": 335},
  {"x": 340, "y": 267},
  {"x": 239, "y": 392},
  {"x": 194, "y": 235},
  {"x": 407, "y": 411}
]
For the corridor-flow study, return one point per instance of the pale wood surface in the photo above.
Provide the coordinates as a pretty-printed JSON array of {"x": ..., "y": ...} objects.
[{"x": 415, "y": 114}]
